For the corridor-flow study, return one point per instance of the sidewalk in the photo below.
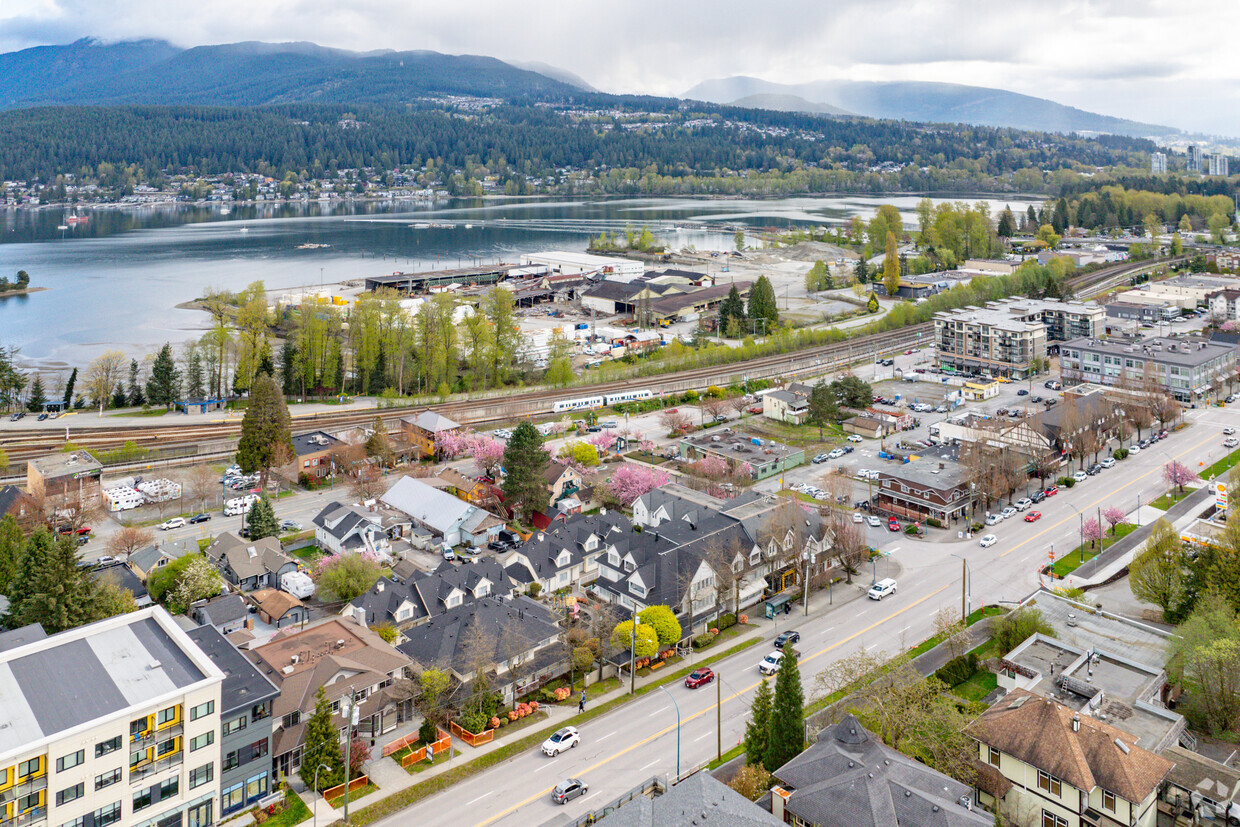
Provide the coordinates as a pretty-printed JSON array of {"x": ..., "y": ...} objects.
[
  {"x": 391, "y": 778},
  {"x": 1114, "y": 559}
]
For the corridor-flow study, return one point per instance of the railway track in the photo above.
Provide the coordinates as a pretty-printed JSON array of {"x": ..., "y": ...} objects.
[{"x": 22, "y": 444}]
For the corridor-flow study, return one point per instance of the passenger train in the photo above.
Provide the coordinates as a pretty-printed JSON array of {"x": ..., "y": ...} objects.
[{"x": 589, "y": 402}]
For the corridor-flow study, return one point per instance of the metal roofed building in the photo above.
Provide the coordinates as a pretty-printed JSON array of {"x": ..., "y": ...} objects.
[
  {"x": 1185, "y": 366},
  {"x": 115, "y": 721}
]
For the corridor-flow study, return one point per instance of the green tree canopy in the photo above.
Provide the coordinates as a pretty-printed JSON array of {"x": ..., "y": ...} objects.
[
  {"x": 266, "y": 430},
  {"x": 1159, "y": 574},
  {"x": 758, "y": 729},
  {"x": 823, "y": 406},
  {"x": 787, "y": 732},
  {"x": 164, "y": 385},
  {"x": 261, "y": 519},
  {"x": 663, "y": 619},
  {"x": 322, "y": 747},
  {"x": 524, "y": 461},
  {"x": 647, "y": 645},
  {"x": 1205, "y": 655},
  {"x": 762, "y": 305},
  {"x": 891, "y": 266}
]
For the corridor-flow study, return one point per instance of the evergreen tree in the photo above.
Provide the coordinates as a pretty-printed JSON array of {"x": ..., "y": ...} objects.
[
  {"x": 762, "y": 305},
  {"x": 786, "y": 737},
  {"x": 731, "y": 308},
  {"x": 1007, "y": 223},
  {"x": 136, "y": 397},
  {"x": 891, "y": 267},
  {"x": 11, "y": 544},
  {"x": 759, "y": 726},
  {"x": 378, "y": 445},
  {"x": 194, "y": 388},
  {"x": 38, "y": 396},
  {"x": 265, "y": 365},
  {"x": 64, "y": 595},
  {"x": 288, "y": 367},
  {"x": 164, "y": 385},
  {"x": 69, "y": 388},
  {"x": 862, "y": 271},
  {"x": 322, "y": 746},
  {"x": 34, "y": 558},
  {"x": 1061, "y": 218},
  {"x": 119, "y": 398},
  {"x": 261, "y": 520},
  {"x": 266, "y": 437},
  {"x": 1031, "y": 219},
  {"x": 524, "y": 461},
  {"x": 823, "y": 406}
]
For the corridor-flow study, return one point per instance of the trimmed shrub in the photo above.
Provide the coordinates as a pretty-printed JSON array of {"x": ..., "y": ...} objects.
[
  {"x": 475, "y": 722},
  {"x": 727, "y": 621},
  {"x": 535, "y": 589},
  {"x": 957, "y": 670},
  {"x": 934, "y": 522},
  {"x": 1122, "y": 453},
  {"x": 743, "y": 619},
  {"x": 703, "y": 640}
]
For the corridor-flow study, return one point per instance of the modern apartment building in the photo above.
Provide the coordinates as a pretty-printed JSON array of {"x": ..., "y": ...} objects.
[
  {"x": 988, "y": 340},
  {"x": 1158, "y": 163},
  {"x": 1193, "y": 164},
  {"x": 1184, "y": 366},
  {"x": 114, "y": 722},
  {"x": 1217, "y": 164},
  {"x": 1063, "y": 320},
  {"x": 246, "y": 702}
]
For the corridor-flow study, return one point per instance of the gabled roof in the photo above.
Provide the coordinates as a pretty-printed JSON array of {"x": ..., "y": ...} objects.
[
  {"x": 512, "y": 626},
  {"x": 684, "y": 804},
  {"x": 274, "y": 602},
  {"x": 1040, "y": 732},
  {"x": 554, "y": 470},
  {"x": 848, "y": 777},
  {"x": 431, "y": 422},
  {"x": 248, "y": 558},
  {"x": 10, "y": 498},
  {"x": 544, "y": 548},
  {"x": 429, "y": 506},
  {"x": 218, "y": 611},
  {"x": 147, "y": 558},
  {"x": 121, "y": 576}
]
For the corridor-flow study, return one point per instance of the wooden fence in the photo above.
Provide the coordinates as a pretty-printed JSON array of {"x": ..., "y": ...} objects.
[
  {"x": 469, "y": 738},
  {"x": 338, "y": 790},
  {"x": 445, "y": 741}
]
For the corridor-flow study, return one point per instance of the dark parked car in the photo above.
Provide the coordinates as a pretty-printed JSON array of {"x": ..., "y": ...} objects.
[
  {"x": 199, "y": 518},
  {"x": 787, "y": 637},
  {"x": 17, "y": 416},
  {"x": 698, "y": 677},
  {"x": 1022, "y": 392},
  {"x": 1093, "y": 469},
  {"x": 497, "y": 545},
  {"x": 1038, "y": 496}
]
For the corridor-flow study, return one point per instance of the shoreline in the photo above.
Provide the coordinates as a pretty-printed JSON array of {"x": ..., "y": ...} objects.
[{"x": 26, "y": 292}]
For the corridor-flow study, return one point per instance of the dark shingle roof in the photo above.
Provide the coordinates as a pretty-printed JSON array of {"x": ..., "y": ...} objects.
[
  {"x": 700, "y": 799},
  {"x": 444, "y": 640}
]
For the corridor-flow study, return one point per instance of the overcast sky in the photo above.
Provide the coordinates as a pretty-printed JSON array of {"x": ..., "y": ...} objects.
[{"x": 1149, "y": 60}]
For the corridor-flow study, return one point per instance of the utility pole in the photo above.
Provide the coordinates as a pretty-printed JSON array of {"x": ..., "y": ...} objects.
[
  {"x": 964, "y": 614},
  {"x": 632, "y": 656},
  {"x": 350, "y": 721},
  {"x": 718, "y": 719}
]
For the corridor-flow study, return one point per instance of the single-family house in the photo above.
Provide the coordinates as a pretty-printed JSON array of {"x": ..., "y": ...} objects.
[
  {"x": 562, "y": 480},
  {"x": 566, "y": 553},
  {"x": 849, "y": 778},
  {"x": 452, "y": 520},
  {"x": 146, "y": 560},
  {"x": 122, "y": 577},
  {"x": 1038, "y": 756},
  {"x": 225, "y": 612},
  {"x": 278, "y": 608},
  {"x": 424, "y": 430},
  {"x": 429, "y": 594},
  {"x": 314, "y": 454},
  {"x": 341, "y": 528},
  {"x": 250, "y": 564},
  {"x": 785, "y": 406},
  {"x": 19, "y": 505}
]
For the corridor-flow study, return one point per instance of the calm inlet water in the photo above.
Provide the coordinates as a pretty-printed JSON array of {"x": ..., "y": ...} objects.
[{"x": 115, "y": 280}]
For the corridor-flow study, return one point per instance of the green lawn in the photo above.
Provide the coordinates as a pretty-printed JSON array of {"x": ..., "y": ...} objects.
[
  {"x": 1075, "y": 559},
  {"x": 338, "y": 801},
  {"x": 1221, "y": 467},
  {"x": 419, "y": 766},
  {"x": 977, "y": 687},
  {"x": 1171, "y": 498},
  {"x": 295, "y": 813}
]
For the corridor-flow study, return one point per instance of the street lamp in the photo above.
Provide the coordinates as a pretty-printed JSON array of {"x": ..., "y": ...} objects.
[
  {"x": 677, "y": 706},
  {"x": 966, "y": 588},
  {"x": 316, "y": 789}
]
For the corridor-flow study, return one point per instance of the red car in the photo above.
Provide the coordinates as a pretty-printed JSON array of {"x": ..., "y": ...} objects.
[
  {"x": 1033, "y": 516},
  {"x": 65, "y": 530},
  {"x": 698, "y": 677},
  {"x": 1051, "y": 491},
  {"x": 893, "y": 524}
]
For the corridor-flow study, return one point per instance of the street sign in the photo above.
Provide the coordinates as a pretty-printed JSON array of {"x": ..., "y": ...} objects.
[{"x": 1220, "y": 496}]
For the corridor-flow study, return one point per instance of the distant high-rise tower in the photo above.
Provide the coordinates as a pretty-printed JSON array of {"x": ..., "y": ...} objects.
[
  {"x": 1158, "y": 163},
  {"x": 1194, "y": 159},
  {"x": 1218, "y": 164}
]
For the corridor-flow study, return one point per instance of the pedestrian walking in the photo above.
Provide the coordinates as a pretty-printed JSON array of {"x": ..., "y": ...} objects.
[{"x": 581, "y": 705}]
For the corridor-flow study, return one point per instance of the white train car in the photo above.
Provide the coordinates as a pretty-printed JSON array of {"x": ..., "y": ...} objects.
[
  {"x": 582, "y": 404},
  {"x": 626, "y": 396}
]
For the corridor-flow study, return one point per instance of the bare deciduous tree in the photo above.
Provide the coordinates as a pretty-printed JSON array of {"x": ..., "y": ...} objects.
[
  {"x": 201, "y": 483},
  {"x": 128, "y": 540}
]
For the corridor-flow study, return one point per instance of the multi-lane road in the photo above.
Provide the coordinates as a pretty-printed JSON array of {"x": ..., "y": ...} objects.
[{"x": 635, "y": 741}]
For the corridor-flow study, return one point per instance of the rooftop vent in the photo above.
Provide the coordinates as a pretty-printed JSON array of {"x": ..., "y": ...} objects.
[
  {"x": 288, "y": 670},
  {"x": 152, "y": 666},
  {"x": 1122, "y": 746}
]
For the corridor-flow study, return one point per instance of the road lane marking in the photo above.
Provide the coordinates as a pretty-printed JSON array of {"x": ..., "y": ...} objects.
[
  {"x": 1098, "y": 502},
  {"x": 608, "y": 735},
  {"x": 705, "y": 735},
  {"x": 905, "y": 629},
  {"x": 479, "y": 798},
  {"x": 708, "y": 710}
]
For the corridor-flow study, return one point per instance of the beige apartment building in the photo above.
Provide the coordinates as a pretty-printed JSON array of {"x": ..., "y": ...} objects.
[
  {"x": 988, "y": 340},
  {"x": 115, "y": 722}
]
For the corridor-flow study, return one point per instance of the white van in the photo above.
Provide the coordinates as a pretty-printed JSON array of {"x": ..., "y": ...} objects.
[{"x": 239, "y": 505}]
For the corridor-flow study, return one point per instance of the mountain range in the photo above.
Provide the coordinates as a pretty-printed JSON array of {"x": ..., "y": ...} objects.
[
  {"x": 156, "y": 72},
  {"x": 918, "y": 101}
]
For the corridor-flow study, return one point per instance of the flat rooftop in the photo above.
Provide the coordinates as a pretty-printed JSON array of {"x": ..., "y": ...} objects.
[
  {"x": 740, "y": 447},
  {"x": 66, "y": 465},
  {"x": 1188, "y": 351},
  {"x": 53, "y": 685},
  {"x": 244, "y": 685},
  {"x": 1091, "y": 627}
]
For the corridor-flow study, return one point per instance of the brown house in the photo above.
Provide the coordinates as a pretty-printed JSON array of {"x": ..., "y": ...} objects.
[
  {"x": 923, "y": 490},
  {"x": 19, "y": 505},
  {"x": 314, "y": 453},
  {"x": 278, "y": 608},
  {"x": 65, "y": 480},
  {"x": 424, "y": 429}
]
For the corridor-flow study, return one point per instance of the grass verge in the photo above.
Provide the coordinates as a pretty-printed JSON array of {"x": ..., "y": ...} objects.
[
  {"x": 353, "y": 796},
  {"x": 977, "y": 687},
  {"x": 295, "y": 813},
  {"x": 1171, "y": 498},
  {"x": 410, "y": 795},
  {"x": 1221, "y": 467}
]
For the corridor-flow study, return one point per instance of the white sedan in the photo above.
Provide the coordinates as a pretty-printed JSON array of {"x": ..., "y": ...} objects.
[
  {"x": 874, "y": 521},
  {"x": 989, "y": 540},
  {"x": 857, "y": 517}
]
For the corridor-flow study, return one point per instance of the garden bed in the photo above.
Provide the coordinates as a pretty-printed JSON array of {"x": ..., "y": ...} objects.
[
  {"x": 295, "y": 812},
  {"x": 646, "y": 457},
  {"x": 1221, "y": 467}
]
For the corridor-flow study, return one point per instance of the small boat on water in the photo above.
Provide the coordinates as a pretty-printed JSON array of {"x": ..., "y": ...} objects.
[
  {"x": 421, "y": 225},
  {"x": 63, "y": 227},
  {"x": 244, "y": 230},
  {"x": 77, "y": 219},
  {"x": 312, "y": 246}
]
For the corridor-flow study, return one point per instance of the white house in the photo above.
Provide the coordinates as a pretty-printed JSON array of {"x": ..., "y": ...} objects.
[{"x": 450, "y": 519}]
